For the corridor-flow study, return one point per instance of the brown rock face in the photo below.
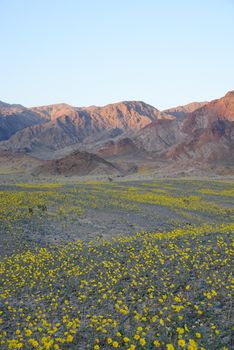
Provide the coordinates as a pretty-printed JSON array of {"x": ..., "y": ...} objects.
[
  {"x": 77, "y": 163},
  {"x": 66, "y": 125},
  {"x": 209, "y": 130},
  {"x": 204, "y": 134},
  {"x": 120, "y": 147},
  {"x": 221, "y": 109},
  {"x": 158, "y": 136},
  {"x": 198, "y": 131},
  {"x": 181, "y": 111},
  {"x": 14, "y": 118}
]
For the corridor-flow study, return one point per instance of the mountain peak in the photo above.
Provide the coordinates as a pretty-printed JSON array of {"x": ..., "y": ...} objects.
[
  {"x": 4, "y": 104},
  {"x": 181, "y": 111},
  {"x": 229, "y": 94},
  {"x": 8, "y": 105}
]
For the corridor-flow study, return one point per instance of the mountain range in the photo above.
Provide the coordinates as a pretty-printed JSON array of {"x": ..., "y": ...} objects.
[{"x": 129, "y": 130}]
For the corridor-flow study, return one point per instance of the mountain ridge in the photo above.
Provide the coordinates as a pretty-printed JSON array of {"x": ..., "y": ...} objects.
[
  {"x": 201, "y": 131},
  {"x": 65, "y": 125}
]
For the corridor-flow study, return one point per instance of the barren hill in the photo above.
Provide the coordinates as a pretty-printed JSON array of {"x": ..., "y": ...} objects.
[{"x": 77, "y": 163}]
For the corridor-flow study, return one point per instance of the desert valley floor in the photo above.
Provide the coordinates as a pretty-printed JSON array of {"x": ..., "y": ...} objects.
[{"x": 128, "y": 264}]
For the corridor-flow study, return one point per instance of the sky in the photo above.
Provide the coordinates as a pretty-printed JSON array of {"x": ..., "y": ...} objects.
[{"x": 95, "y": 52}]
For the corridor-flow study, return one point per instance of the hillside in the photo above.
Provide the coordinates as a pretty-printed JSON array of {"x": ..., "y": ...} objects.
[
  {"x": 77, "y": 163},
  {"x": 206, "y": 134},
  {"x": 181, "y": 111},
  {"x": 209, "y": 132},
  {"x": 15, "y": 118},
  {"x": 66, "y": 125},
  {"x": 198, "y": 131}
]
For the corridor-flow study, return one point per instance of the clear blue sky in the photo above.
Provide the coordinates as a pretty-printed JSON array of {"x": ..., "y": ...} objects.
[{"x": 83, "y": 52}]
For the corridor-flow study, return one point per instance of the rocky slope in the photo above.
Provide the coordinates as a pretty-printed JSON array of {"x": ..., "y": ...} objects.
[
  {"x": 198, "y": 131},
  {"x": 77, "y": 163},
  {"x": 204, "y": 134},
  {"x": 209, "y": 132},
  {"x": 66, "y": 125},
  {"x": 181, "y": 111},
  {"x": 124, "y": 146},
  {"x": 17, "y": 163},
  {"x": 14, "y": 118}
]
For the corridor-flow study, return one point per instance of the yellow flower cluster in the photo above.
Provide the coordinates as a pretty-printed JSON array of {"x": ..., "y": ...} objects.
[{"x": 170, "y": 290}]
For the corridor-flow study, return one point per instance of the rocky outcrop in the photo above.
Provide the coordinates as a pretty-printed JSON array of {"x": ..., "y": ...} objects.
[{"x": 79, "y": 164}]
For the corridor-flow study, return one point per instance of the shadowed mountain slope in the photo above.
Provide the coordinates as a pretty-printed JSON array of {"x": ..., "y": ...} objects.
[{"x": 15, "y": 118}]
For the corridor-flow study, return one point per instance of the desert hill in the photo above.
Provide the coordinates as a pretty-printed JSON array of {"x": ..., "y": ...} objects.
[{"x": 77, "y": 163}]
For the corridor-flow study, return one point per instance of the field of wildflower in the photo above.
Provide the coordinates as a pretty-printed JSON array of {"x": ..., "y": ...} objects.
[{"x": 167, "y": 287}]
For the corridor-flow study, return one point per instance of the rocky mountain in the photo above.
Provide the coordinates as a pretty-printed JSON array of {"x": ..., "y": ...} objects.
[
  {"x": 65, "y": 125},
  {"x": 206, "y": 133},
  {"x": 198, "y": 131},
  {"x": 14, "y": 118},
  {"x": 209, "y": 132},
  {"x": 181, "y": 111},
  {"x": 77, "y": 163}
]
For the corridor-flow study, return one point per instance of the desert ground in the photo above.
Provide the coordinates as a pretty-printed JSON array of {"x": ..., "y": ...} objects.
[{"x": 138, "y": 262}]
